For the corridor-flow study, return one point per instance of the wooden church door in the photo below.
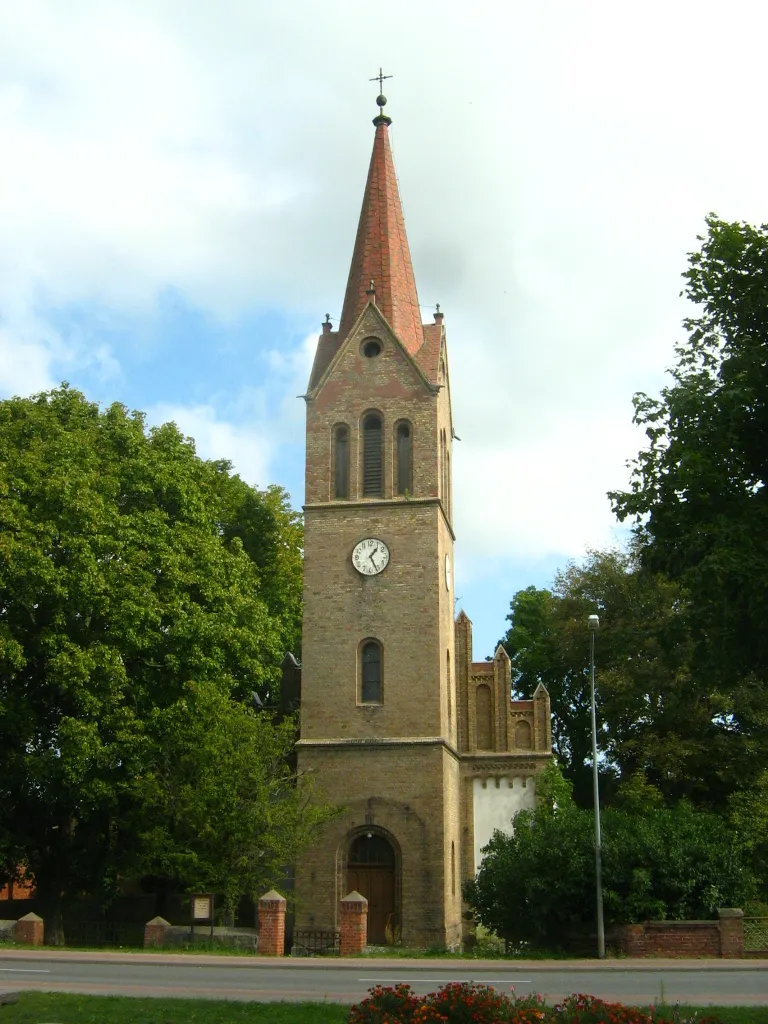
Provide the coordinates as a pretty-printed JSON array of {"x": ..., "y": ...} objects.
[{"x": 371, "y": 872}]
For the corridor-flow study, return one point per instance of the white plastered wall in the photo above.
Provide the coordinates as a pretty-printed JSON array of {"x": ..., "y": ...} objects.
[{"x": 495, "y": 802}]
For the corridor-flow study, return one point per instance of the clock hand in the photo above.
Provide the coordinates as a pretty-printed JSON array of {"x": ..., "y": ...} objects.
[{"x": 370, "y": 556}]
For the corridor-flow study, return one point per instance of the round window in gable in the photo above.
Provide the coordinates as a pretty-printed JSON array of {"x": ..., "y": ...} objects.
[{"x": 371, "y": 348}]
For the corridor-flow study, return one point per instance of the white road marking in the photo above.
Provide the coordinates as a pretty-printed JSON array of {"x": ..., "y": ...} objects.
[
  {"x": 23, "y": 970},
  {"x": 451, "y": 978}
]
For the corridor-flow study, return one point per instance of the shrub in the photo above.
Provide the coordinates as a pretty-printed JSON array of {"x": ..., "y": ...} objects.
[{"x": 537, "y": 885}]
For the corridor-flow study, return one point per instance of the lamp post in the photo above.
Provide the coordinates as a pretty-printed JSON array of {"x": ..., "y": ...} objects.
[{"x": 594, "y": 625}]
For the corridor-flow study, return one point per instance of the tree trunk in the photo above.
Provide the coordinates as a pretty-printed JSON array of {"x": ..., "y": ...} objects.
[
  {"x": 51, "y": 911},
  {"x": 49, "y": 887}
]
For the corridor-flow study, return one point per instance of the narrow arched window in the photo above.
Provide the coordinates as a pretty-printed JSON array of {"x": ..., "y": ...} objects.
[
  {"x": 453, "y": 868},
  {"x": 404, "y": 453},
  {"x": 341, "y": 462},
  {"x": 373, "y": 474},
  {"x": 371, "y": 690}
]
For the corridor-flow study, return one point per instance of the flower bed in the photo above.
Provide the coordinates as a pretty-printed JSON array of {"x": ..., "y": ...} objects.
[{"x": 462, "y": 1003}]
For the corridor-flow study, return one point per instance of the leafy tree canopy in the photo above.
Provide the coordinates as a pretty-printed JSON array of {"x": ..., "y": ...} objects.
[
  {"x": 649, "y": 720},
  {"x": 698, "y": 492},
  {"x": 218, "y": 806},
  {"x": 129, "y": 568},
  {"x": 676, "y": 727}
]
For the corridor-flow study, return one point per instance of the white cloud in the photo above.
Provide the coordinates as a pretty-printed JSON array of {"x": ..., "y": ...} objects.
[
  {"x": 24, "y": 366},
  {"x": 250, "y": 427},
  {"x": 215, "y": 438},
  {"x": 556, "y": 161}
]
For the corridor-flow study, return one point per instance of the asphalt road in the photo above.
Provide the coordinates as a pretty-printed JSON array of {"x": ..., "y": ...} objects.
[{"x": 346, "y": 981}]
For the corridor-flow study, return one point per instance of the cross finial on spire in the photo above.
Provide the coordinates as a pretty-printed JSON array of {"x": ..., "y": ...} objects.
[
  {"x": 380, "y": 79},
  {"x": 381, "y": 99}
]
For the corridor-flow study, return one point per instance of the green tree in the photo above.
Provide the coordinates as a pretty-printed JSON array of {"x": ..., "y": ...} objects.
[
  {"x": 698, "y": 491},
  {"x": 272, "y": 536},
  {"x": 653, "y": 717},
  {"x": 124, "y": 575},
  {"x": 538, "y": 885},
  {"x": 218, "y": 807}
]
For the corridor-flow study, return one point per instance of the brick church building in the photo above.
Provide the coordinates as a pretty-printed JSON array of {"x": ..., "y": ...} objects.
[{"x": 422, "y": 747}]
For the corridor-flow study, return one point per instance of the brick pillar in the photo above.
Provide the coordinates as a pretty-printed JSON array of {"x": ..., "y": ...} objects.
[
  {"x": 154, "y": 931},
  {"x": 632, "y": 940},
  {"x": 272, "y": 924},
  {"x": 29, "y": 930},
  {"x": 731, "y": 933},
  {"x": 354, "y": 924}
]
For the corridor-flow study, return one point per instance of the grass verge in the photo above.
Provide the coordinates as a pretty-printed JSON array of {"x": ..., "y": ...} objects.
[
  {"x": 59, "y": 1008},
  {"x": 55, "y": 1008}
]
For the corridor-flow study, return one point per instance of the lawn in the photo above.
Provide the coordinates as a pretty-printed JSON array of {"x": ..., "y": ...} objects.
[{"x": 54, "y": 1008}]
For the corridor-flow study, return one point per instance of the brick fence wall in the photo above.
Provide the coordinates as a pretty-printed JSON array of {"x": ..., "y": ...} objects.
[{"x": 721, "y": 938}]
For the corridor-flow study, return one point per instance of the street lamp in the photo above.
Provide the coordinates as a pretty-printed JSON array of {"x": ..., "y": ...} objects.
[{"x": 594, "y": 625}]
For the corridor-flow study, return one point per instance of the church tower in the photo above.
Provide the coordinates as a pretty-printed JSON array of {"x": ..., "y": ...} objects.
[
  {"x": 420, "y": 747},
  {"x": 378, "y": 697}
]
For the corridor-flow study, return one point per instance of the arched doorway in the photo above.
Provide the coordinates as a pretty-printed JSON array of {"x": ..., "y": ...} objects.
[{"x": 372, "y": 870}]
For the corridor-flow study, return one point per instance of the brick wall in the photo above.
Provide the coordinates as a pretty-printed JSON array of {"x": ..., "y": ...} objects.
[{"x": 721, "y": 938}]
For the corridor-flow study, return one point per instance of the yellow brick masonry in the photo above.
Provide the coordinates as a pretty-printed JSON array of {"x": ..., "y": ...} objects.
[{"x": 393, "y": 768}]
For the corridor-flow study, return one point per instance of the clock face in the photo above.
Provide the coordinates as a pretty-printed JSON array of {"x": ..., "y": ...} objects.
[
  {"x": 447, "y": 572},
  {"x": 370, "y": 556}
]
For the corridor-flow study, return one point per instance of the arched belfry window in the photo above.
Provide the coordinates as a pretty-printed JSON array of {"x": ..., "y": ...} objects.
[
  {"x": 404, "y": 457},
  {"x": 373, "y": 467},
  {"x": 341, "y": 461},
  {"x": 371, "y": 675}
]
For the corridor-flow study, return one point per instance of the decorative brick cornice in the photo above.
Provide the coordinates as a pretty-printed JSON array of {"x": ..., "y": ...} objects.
[{"x": 379, "y": 743}]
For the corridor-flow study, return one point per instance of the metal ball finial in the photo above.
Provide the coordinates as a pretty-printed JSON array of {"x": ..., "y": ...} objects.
[{"x": 381, "y": 99}]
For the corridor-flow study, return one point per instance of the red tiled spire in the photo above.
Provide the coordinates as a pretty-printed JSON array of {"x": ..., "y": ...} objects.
[{"x": 381, "y": 251}]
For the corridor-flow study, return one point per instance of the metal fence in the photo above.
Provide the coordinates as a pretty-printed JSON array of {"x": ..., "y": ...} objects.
[
  {"x": 755, "y": 934},
  {"x": 103, "y": 933},
  {"x": 315, "y": 942}
]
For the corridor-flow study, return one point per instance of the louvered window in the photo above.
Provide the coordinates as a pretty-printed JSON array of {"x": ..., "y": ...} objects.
[
  {"x": 341, "y": 462},
  {"x": 373, "y": 475},
  {"x": 404, "y": 458},
  {"x": 371, "y": 689}
]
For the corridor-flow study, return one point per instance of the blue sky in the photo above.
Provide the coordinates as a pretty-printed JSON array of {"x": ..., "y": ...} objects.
[{"x": 179, "y": 192}]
